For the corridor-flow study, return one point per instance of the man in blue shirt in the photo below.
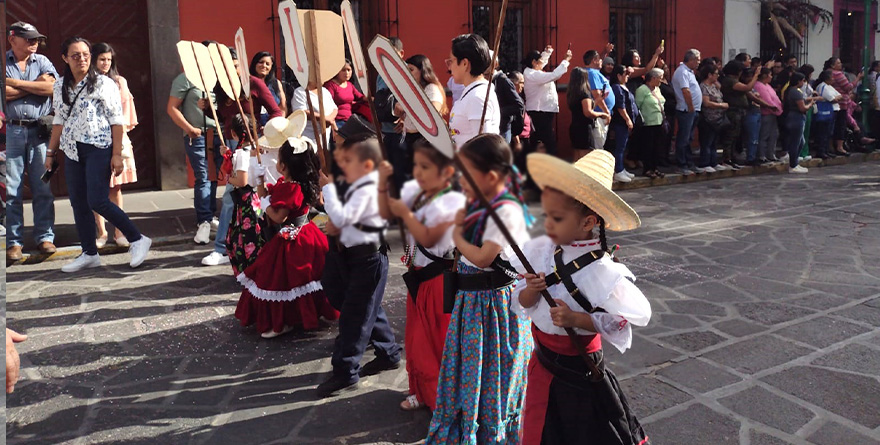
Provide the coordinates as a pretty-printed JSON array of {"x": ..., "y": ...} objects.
[
  {"x": 29, "y": 81},
  {"x": 600, "y": 87},
  {"x": 689, "y": 101}
]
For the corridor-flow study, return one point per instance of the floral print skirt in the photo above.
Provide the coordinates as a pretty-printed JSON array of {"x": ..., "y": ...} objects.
[
  {"x": 244, "y": 238},
  {"x": 481, "y": 391}
]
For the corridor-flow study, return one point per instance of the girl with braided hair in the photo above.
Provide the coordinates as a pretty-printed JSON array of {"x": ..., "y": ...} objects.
[{"x": 569, "y": 400}]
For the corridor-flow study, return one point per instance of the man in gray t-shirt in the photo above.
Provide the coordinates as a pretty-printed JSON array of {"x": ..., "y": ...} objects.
[{"x": 185, "y": 107}]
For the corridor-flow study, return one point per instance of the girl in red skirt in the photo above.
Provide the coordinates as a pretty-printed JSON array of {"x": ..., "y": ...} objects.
[
  {"x": 427, "y": 207},
  {"x": 282, "y": 288}
]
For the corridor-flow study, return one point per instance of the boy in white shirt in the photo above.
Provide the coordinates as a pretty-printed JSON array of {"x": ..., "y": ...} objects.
[{"x": 356, "y": 267}]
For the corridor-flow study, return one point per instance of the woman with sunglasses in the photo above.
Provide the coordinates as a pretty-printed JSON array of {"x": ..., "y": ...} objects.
[{"x": 88, "y": 129}]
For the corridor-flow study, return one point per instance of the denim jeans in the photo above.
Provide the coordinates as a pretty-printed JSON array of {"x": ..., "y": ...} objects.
[
  {"x": 769, "y": 135},
  {"x": 506, "y": 135},
  {"x": 226, "y": 210},
  {"x": 26, "y": 153},
  {"x": 687, "y": 121},
  {"x": 205, "y": 191},
  {"x": 751, "y": 133},
  {"x": 795, "y": 122},
  {"x": 621, "y": 137},
  {"x": 397, "y": 155},
  {"x": 708, "y": 145},
  {"x": 88, "y": 187}
]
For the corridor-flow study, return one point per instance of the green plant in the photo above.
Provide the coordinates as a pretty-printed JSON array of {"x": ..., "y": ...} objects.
[{"x": 792, "y": 17}]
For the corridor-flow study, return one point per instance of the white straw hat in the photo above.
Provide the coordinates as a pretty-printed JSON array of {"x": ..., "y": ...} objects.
[
  {"x": 278, "y": 129},
  {"x": 589, "y": 181}
]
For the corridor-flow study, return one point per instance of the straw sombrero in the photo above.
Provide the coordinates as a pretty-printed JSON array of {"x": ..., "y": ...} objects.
[
  {"x": 589, "y": 181},
  {"x": 278, "y": 130}
]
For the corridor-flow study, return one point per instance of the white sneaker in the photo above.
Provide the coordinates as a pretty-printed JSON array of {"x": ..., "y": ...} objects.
[
  {"x": 631, "y": 175},
  {"x": 784, "y": 159},
  {"x": 720, "y": 167},
  {"x": 622, "y": 177},
  {"x": 807, "y": 158},
  {"x": 705, "y": 170},
  {"x": 215, "y": 223},
  {"x": 215, "y": 259},
  {"x": 139, "y": 250},
  {"x": 798, "y": 169},
  {"x": 82, "y": 262},
  {"x": 203, "y": 235}
]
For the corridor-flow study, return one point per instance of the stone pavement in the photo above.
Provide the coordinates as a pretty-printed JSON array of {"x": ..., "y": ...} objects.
[{"x": 766, "y": 293}]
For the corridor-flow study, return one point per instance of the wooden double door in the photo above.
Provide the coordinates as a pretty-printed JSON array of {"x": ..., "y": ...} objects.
[{"x": 122, "y": 24}]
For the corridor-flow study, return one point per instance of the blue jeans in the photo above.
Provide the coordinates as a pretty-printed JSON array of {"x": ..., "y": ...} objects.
[
  {"x": 205, "y": 191},
  {"x": 794, "y": 122},
  {"x": 621, "y": 137},
  {"x": 751, "y": 133},
  {"x": 226, "y": 211},
  {"x": 708, "y": 145},
  {"x": 687, "y": 121},
  {"x": 25, "y": 152},
  {"x": 506, "y": 135},
  {"x": 88, "y": 187}
]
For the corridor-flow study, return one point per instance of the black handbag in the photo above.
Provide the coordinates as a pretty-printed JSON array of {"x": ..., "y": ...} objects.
[{"x": 44, "y": 126}]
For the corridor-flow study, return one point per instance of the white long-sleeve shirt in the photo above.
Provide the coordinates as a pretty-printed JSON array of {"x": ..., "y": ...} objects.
[
  {"x": 361, "y": 206},
  {"x": 604, "y": 283},
  {"x": 540, "y": 88}
]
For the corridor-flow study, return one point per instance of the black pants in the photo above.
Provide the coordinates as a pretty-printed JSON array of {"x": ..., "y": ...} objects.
[
  {"x": 544, "y": 123},
  {"x": 397, "y": 156},
  {"x": 653, "y": 145},
  {"x": 355, "y": 287}
]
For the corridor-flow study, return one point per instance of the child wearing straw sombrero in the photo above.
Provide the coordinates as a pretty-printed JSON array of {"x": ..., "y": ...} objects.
[{"x": 595, "y": 295}]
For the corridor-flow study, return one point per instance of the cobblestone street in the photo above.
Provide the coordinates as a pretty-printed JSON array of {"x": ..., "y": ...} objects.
[{"x": 766, "y": 299}]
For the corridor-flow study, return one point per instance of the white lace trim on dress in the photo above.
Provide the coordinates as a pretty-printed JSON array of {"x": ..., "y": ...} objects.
[{"x": 278, "y": 295}]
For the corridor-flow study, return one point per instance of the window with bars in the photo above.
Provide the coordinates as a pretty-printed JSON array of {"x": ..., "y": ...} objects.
[
  {"x": 641, "y": 25},
  {"x": 528, "y": 25}
]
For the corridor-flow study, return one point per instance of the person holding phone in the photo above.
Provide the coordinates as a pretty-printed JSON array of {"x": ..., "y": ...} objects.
[{"x": 88, "y": 129}]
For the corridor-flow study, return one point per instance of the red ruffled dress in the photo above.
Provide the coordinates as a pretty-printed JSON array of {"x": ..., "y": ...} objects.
[{"x": 283, "y": 287}]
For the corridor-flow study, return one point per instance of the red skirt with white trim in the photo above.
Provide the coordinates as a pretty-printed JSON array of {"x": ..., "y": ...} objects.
[{"x": 283, "y": 286}]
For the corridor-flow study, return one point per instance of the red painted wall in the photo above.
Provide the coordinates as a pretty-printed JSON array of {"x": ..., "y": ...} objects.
[{"x": 700, "y": 25}]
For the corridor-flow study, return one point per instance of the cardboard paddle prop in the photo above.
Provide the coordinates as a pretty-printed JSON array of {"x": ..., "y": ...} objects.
[
  {"x": 229, "y": 81},
  {"x": 359, "y": 66},
  {"x": 433, "y": 128},
  {"x": 297, "y": 60},
  {"x": 244, "y": 74},
  {"x": 199, "y": 71},
  {"x": 315, "y": 53}
]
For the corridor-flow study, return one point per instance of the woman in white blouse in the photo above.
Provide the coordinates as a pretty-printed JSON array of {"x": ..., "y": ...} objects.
[
  {"x": 542, "y": 100},
  {"x": 88, "y": 128}
]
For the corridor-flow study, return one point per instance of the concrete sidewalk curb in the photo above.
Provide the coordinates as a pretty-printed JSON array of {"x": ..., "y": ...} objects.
[
  {"x": 643, "y": 182},
  {"x": 69, "y": 253}
]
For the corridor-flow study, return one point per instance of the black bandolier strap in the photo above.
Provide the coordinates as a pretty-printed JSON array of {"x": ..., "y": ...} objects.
[
  {"x": 383, "y": 244},
  {"x": 564, "y": 272}
]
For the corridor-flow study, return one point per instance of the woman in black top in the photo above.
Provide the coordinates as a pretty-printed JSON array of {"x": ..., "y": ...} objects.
[{"x": 583, "y": 117}]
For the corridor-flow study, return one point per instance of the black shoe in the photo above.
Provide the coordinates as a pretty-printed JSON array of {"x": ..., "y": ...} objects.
[
  {"x": 335, "y": 386},
  {"x": 378, "y": 365}
]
